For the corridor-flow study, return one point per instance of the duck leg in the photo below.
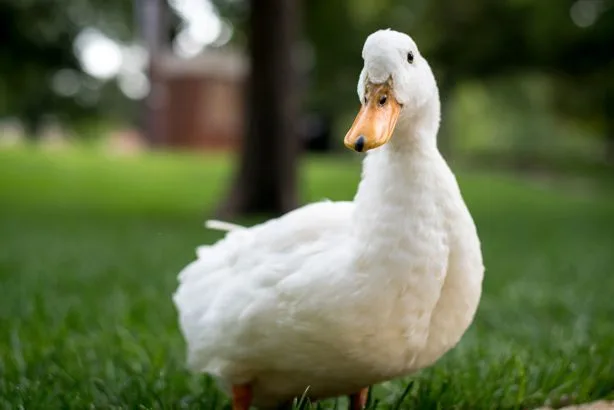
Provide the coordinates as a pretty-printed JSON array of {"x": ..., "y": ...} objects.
[
  {"x": 358, "y": 401},
  {"x": 241, "y": 397}
]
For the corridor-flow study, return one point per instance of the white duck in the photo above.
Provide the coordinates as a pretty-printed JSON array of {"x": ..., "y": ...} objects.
[{"x": 337, "y": 296}]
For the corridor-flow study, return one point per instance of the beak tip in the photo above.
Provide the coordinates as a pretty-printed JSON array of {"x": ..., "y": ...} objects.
[{"x": 359, "y": 145}]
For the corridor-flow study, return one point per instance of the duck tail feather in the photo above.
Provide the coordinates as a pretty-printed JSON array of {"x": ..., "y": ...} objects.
[{"x": 222, "y": 226}]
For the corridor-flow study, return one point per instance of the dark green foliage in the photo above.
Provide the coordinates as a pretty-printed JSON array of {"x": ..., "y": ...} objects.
[{"x": 38, "y": 41}]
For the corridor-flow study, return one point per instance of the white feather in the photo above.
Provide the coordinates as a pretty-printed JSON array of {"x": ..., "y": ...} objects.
[{"x": 221, "y": 225}]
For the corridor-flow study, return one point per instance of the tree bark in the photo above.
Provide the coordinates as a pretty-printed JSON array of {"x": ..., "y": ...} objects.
[
  {"x": 445, "y": 136},
  {"x": 266, "y": 178},
  {"x": 609, "y": 144},
  {"x": 609, "y": 124},
  {"x": 152, "y": 20}
]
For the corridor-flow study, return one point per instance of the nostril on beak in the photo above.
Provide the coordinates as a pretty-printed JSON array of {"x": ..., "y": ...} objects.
[{"x": 359, "y": 145}]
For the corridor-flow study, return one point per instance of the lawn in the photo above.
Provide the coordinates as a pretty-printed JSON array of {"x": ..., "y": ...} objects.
[{"x": 90, "y": 246}]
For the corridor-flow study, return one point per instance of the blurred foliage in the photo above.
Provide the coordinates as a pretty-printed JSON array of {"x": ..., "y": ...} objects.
[
  {"x": 478, "y": 39},
  {"x": 566, "y": 43},
  {"x": 475, "y": 40},
  {"x": 41, "y": 35}
]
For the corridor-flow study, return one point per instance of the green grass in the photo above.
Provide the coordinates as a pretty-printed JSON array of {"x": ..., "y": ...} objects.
[{"x": 90, "y": 247}]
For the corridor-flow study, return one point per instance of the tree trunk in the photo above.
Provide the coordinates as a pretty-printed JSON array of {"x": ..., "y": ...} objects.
[
  {"x": 609, "y": 124},
  {"x": 266, "y": 179},
  {"x": 32, "y": 117},
  {"x": 609, "y": 147},
  {"x": 444, "y": 139},
  {"x": 152, "y": 20},
  {"x": 32, "y": 125}
]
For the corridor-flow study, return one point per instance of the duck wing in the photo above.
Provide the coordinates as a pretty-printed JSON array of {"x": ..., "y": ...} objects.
[{"x": 232, "y": 283}]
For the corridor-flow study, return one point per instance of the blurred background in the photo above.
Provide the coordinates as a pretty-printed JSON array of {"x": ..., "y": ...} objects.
[
  {"x": 524, "y": 84},
  {"x": 125, "y": 124}
]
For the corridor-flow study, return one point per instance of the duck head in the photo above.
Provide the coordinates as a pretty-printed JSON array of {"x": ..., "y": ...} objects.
[{"x": 395, "y": 82}]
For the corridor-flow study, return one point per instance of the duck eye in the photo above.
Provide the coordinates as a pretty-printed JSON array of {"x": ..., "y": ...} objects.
[
  {"x": 383, "y": 99},
  {"x": 410, "y": 57}
]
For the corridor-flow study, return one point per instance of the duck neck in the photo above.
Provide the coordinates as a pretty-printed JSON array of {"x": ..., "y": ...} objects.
[{"x": 397, "y": 193}]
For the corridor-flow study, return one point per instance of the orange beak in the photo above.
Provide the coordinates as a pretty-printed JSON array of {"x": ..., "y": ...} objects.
[{"x": 375, "y": 122}]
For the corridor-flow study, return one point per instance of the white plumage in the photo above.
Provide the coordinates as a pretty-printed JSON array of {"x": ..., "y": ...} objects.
[{"x": 337, "y": 296}]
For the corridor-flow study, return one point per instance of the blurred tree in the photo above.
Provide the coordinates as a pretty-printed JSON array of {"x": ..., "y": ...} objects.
[
  {"x": 266, "y": 176},
  {"x": 462, "y": 40},
  {"x": 569, "y": 40},
  {"x": 38, "y": 42},
  {"x": 154, "y": 25},
  {"x": 33, "y": 48},
  {"x": 494, "y": 38}
]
